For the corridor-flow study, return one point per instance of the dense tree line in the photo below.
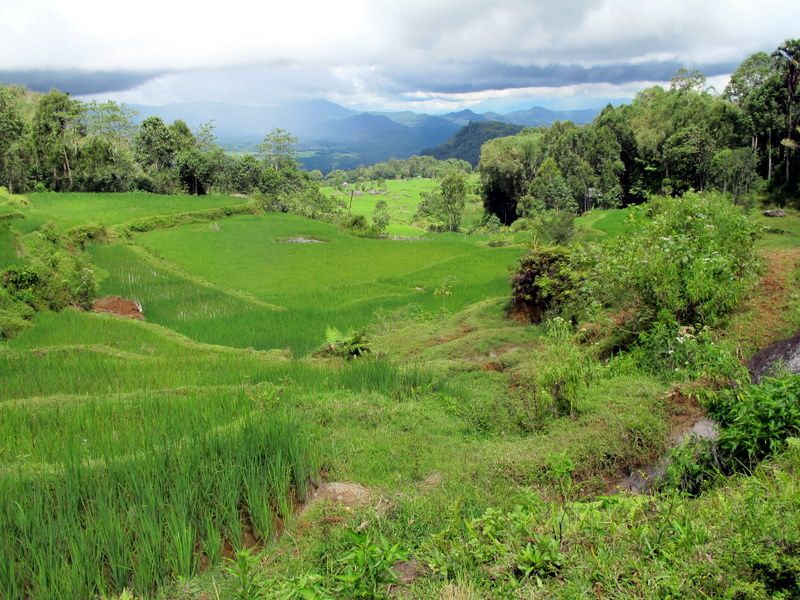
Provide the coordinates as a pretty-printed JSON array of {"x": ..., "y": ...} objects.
[
  {"x": 54, "y": 142},
  {"x": 667, "y": 141},
  {"x": 399, "y": 168}
]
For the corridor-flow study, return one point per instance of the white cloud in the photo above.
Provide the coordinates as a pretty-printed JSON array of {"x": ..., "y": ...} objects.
[{"x": 381, "y": 52}]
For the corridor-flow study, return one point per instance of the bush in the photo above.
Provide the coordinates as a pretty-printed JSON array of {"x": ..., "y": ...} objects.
[
  {"x": 350, "y": 344},
  {"x": 755, "y": 423},
  {"x": 692, "y": 258},
  {"x": 546, "y": 280},
  {"x": 355, "y": 223},
  {"x": 675, "y": 351}
]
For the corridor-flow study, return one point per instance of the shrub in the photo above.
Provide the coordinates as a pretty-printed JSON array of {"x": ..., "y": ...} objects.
[
  {"x": 356, "y": 223},
  {"x": 755, "y": 423},
  {"x": 94, "y": 232},
  {"x": 692, "y": 258},
  {"x": 546, "y": 279},
  {"x": 671, "y": 350},
  {"x": 350, "y": 344}
]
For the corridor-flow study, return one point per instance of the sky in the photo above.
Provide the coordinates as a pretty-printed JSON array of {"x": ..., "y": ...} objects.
[{"x": 419, "y": 55}]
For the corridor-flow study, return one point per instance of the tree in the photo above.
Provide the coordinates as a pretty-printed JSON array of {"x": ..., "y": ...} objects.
[
  {"x": 445, "y": 206},
  {"x": 380, "y": 215},
  {"x": 756, "y": 88},
  {"x": 154, "y": 145},
  {"x": 56, "y": 133},
  {"x": 12, "y": 128},
  {"x": 787, "y": 59},
  {"x": 278, "y": 149},
  {"x": 197, "y": 170},
  {"x": 687, "y": 158},
  {"x": 182, "y": 136},
  {"x": 100, "y": 167},
  {"x": 734, "y": 170},
  {"x": 244, "y": 174},
  {"x": 549, "y": 190}
]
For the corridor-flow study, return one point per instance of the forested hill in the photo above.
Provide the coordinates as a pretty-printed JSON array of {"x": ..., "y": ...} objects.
[{"x": 466, "y": 143}]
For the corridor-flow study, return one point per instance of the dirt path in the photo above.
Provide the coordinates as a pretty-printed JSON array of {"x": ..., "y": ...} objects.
[{"x": 764, "y": 318}]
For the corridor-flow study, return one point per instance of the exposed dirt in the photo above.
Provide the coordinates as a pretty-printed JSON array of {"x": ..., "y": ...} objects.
[
  {"x": 408, "y": 571},
  {"x": 432, "y": 480},
  {"x": 770, "y": 301},
  {"x": 492, "y": 365},
  {"x": 118, "y": 306},
  {"x": 348, "y": 495}
]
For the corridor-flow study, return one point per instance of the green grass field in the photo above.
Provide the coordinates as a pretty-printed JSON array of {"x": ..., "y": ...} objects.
[
  {"x": 141, "y": 455},
  {"x": 288, "y": 293},
  {"x": 74, "y": 209},
  {"x": 402, "y": 197}
]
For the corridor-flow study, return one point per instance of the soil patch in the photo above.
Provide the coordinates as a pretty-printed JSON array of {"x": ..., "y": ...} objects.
[
  {"x": 771, "y": 300},
  {"x": 302, "y": 240},
  {"x": 408, "y": 571},
  {"x": 118, "y": 306},
  {"x": 686, "y": 420},
  {"x": 348, "y": 495}
]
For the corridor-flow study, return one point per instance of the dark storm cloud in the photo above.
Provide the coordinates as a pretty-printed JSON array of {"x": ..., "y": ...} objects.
[
  {"x": 479, "y": 76},
  {"x": 77, "y": 82}
]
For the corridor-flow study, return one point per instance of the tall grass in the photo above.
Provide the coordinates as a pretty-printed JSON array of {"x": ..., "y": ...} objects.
[{"x": 92, "y": 527}]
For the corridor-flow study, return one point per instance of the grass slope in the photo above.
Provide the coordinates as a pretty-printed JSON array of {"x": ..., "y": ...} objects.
[{"x": 341, "y": 282}]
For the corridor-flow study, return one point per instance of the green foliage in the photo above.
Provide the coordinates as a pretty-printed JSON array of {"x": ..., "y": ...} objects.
[
  {"x": 380, "y": 216},
  {"x": 51, "y": 275},
  {"x": 365, "y": 570},
  {"x": 443, "y": 209},
  {"x": 692, "y": 258},
  {"x": 547, "y": 191},
  {"x": 546, "y": 280},
  {"x": 671, "y": 350},
  {"x": 350, "y": 344},
  {"x": 755, "y": 421},
  {"x": 562, "y": 167},
  {"x": 398, "y": 168}
]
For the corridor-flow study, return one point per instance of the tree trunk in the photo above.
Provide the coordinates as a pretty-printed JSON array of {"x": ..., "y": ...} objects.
[
  {"x": 66, "y": 165},
  {"x": 769, "y": 156}
]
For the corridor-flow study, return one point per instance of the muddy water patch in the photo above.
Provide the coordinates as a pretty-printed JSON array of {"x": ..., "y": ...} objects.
[
  {"x": 641, "y": 480},
  {"x": 300, "y": 239}
]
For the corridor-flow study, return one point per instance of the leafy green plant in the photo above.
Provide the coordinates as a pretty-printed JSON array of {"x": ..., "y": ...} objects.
[
  {"x": 445, "y": 289},
  {"x": 303, "y": 587},
  {"x": 349, "y": 344},
  {"x": 540, "y": 558},
  {"x": 249, "y": 583},
  {"x": 366, "y": 569},
  {"x": 547, "y": 279}
]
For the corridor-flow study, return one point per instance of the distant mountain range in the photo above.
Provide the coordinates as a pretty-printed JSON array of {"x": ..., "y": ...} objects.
[{"x": 335, "y": 137}]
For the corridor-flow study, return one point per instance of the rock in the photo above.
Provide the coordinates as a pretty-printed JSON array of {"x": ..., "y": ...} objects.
[
  {"x": 349, "y": 495},
  {"x": 785, "y": 354},
  {"x": 774, "y": 212}
]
